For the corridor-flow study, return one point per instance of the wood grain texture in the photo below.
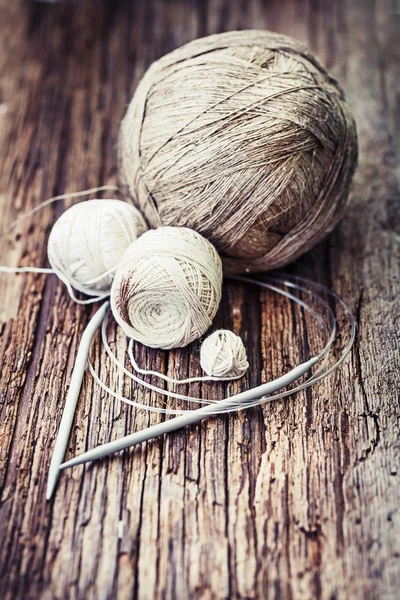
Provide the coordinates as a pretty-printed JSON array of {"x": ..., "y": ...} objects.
[{"x": 299, "y": 499}]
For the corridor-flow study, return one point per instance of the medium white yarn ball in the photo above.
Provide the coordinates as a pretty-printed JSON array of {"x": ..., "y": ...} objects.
[
  {"x": 223, "y": 355},
  {"x": 167, "y": 287},
  {"x": 89, "y": 239}
]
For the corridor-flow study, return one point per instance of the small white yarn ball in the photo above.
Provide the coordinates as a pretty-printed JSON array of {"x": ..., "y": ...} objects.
[
  {"x": 89, "y": 239},
  {"x": 223, "y": 355},
  {"x": 167, "y": 287}
]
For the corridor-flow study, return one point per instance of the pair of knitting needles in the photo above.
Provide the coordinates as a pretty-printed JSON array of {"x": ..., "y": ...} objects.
[{"x": 194, "y": 416}]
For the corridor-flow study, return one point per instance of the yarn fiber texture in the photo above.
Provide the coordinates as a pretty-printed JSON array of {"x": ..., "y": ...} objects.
[
  {"x": 167, "y": 288},
  {"x": 223, "y": 355},
  {"x": 89, "y": 240},
  {"x": 246, "y": 138}
]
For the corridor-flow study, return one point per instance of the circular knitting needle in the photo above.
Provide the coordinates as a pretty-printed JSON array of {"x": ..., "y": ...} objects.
[
  {"x": 192, "y": 416},
  {"x": 72, "y": 399}
]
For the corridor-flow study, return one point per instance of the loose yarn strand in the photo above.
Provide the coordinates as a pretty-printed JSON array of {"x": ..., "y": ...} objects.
[
  {"x": 72, "y": 294},
  {"x": 171, "y": 379},
  {"x": 42, "y": 205},
  {"x": 45, "y": 271},
  {"x": 144, "y": 383},
  {"x": 100, "y": 277},
  {"x": 4, "y": 269}
]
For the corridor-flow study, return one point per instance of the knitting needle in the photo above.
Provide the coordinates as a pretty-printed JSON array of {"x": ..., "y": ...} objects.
[
  {"x": 72, "y": 399},
  {"x": 192, "y": 416}
]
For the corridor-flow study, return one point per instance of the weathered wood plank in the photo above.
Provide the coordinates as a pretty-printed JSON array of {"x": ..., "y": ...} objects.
[{"x": 295, "y": 500}]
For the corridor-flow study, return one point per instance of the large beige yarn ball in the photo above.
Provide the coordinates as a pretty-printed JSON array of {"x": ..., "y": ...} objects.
[
  {"x": 246, "y": 138},
  {"x": 167, "y": 287}
]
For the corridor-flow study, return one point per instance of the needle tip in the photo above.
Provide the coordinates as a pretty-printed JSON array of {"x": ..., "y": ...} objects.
[
  {"x": 51, "y": 484},
  {"x": 71, "y": 463}
]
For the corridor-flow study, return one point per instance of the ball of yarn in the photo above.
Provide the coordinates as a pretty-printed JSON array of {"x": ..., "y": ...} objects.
[
  {"x": 246, "y": 138},
  {"x": 89, "y": 240},
  {"x": 167, "y": 287},
  {"x": 223, "y": 355}
]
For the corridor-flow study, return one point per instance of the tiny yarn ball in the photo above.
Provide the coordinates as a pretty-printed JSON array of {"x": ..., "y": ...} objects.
[
  {"x": 89, "y": 240},
  {"x": 246, "y": 138},
  {"x": 167, "y": 288},
  {"x": 223, "y": 355}
]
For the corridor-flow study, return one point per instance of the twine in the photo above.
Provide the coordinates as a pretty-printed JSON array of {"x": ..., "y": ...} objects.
[{"x": 246, "y": 138}]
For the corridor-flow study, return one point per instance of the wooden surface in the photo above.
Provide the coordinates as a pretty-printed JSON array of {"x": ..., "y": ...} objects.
[{"x": 296, "y": 500}]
